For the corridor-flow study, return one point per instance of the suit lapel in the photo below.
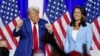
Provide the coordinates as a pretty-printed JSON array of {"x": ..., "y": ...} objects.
[
  {"x": 71, "y": 33},
  {"x": 78, "y": 34},
  {"x": 28, "y": 28},
  {"x": 40, "y": 29}
]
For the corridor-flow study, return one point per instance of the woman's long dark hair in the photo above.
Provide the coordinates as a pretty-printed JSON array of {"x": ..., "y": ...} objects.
[{"x": 83, "y": 19}]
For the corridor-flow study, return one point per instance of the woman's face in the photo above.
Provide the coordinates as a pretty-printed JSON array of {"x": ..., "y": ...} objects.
[{"x": 77, "y": 14}]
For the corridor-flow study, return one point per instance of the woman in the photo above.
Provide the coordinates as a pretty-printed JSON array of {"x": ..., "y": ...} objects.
[{"x": 79, "y": 33}]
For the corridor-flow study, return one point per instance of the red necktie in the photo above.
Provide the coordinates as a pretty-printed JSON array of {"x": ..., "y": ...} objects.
[{"x": 35, "y": 38}]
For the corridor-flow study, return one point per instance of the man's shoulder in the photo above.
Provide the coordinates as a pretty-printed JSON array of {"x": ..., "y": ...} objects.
[{"x": 42, "y": 21}]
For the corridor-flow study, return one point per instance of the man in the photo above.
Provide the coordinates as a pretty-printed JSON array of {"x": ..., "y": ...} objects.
[{"x": 28, "y": 30}]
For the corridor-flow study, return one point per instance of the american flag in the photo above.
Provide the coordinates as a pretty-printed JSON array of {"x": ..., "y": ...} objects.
[
  {"x": 93, "y": 16},
  {"x": 58, "y": 16},
  {"x": 9, "y": 15}
]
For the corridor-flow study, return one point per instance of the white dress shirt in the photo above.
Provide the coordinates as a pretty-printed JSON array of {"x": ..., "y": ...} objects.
[{"x": 74, "y": 34}]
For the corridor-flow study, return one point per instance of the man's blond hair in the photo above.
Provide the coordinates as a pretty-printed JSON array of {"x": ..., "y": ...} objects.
[{"x": 33, "y": 8}]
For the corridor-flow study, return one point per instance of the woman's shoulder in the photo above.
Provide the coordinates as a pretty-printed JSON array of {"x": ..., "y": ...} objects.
[
  {"x": 88, "y": 24},
  {"x": 69, "y": 27}
]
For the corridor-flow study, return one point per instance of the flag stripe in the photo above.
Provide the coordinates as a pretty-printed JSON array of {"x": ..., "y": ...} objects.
[
  {"x": 64, "y": 23},
  {"x": 98, "y": 21},
  {"x": 92, "y": 17},
  {"x": 96, "y": 42},
  {"x": 59, "y": 18},
  {"x": 58, "y": 37},
  {"x": 94, "y": 47},
  {"x": 66, "y": 18},
  {"x": 11, "y": 35},
  {"x": 62, "y": 28},
  {"x": 3, "y": 37},
  {"x": 7, "y": 36},
  {"x": 97, "y": 25},
  {"x": 95, "y": 32},
  {"x": 47, "y": 50}
]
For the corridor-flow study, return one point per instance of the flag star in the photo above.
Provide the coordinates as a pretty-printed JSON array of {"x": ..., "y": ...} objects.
[
  {"x": 57, "y": 8},
  {"x": 96, "y": 13},
  {"x": 93, "y": 11},
  {"x": 16, "y": 10},
  {"x": 94, "y": 7},
  {"x": 60, "y": 14},
  {"x": 7, "y": 12},
  {"x": 64, "y": 6},
  {"x": 12, "y": 4},
  {"x": 54, "y": 2},
  {"x": 8, "y": 8},
  {"x": 2, "y": 6},
  {"x": 10, "y": 17},
  {"x": 16, "y": 1},
  {"x": 87, "y": 4},
  {"x": 92, "y": 16},
  {"x": 90, "y": 20},
  {"x": 94, "y": 2},
  {"x": 9, "y": 4},
  {"x": 87, "y": 14},
  {"x": 15, "y": 15},
  {"x": 11, "y": 14},
  {"x": 3, "y": 1},
  {"x": 56, "y": 12},
  {"x": 12, "y": 9},
  {"x": 5, "y": 7},
  {"x": 90, "y": 5},
  {"x": 50, "y": 10},
  {"x": 53, "y": 7},
  {"x": 16, "y": 6},
  {"x": 47, "y": 9},
  {"x": 88, "y": 9},
  {"x": 61, "y": 5},
  {"x": 61, "y": 0},
  {"x": 58, "y": 3},
  {"x": 48, "y": 5},
  {"x": 7, "y": 17},
  {"x": 55, "y": 17},
  {"x": 49, "y": 0},
  {"x": 6, "y": 22},
  {"x": 98, "y": 4},
  {"x": 3, "y": 16},
  {"x": 50, "y": 15},
  {"x": 1, "y": 11},
  {"x": 64, "y": 10},
  {"x": 13, "y": 0}
]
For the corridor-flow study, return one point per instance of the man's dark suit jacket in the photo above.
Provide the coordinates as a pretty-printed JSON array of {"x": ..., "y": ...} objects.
[{"x": 25, "y": 42}]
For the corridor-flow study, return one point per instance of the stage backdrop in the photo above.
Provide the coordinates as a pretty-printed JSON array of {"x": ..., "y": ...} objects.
[{"x": 13, "y": 10}]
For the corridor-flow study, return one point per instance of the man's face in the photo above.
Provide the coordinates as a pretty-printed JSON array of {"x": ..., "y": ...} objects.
[{"x": 34, "y": 16}]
